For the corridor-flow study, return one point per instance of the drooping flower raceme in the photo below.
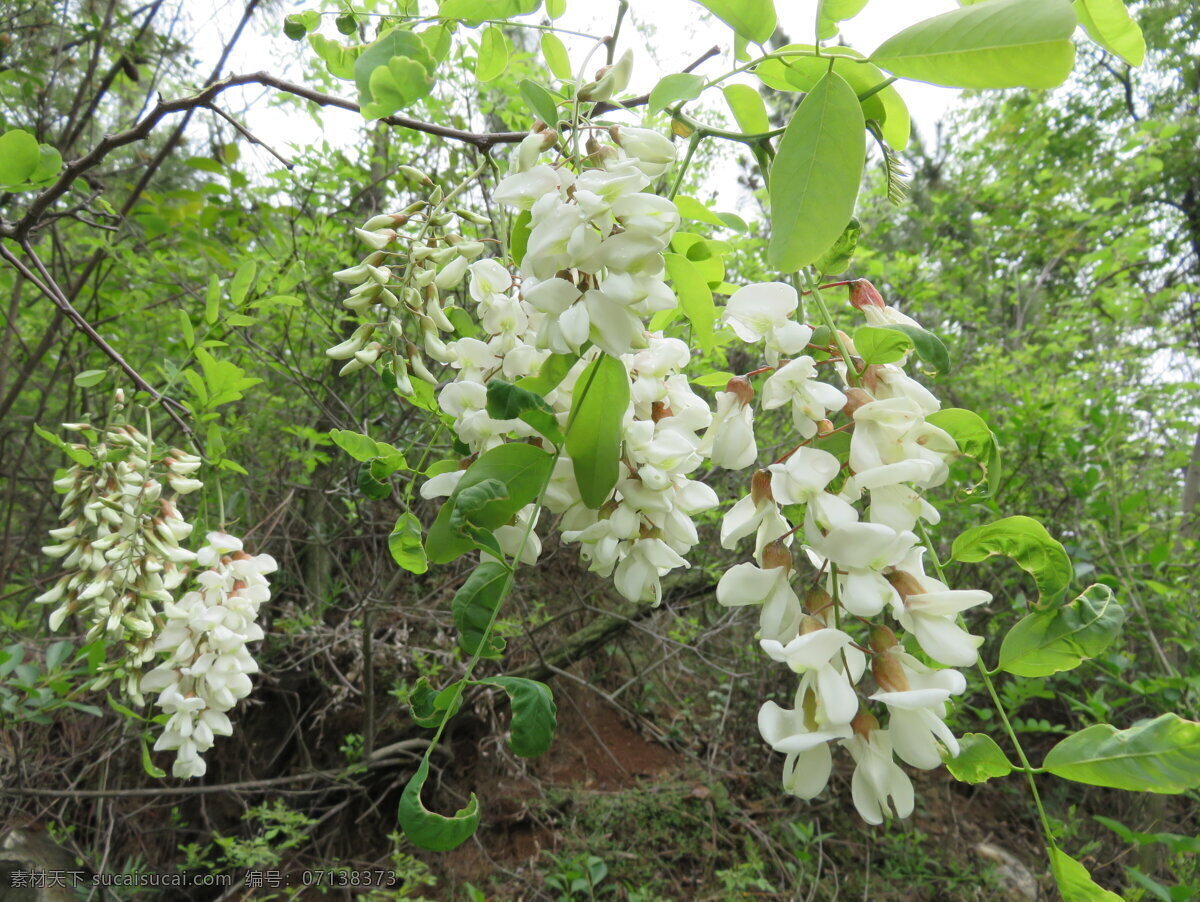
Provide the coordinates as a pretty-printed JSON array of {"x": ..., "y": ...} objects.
[
  {"x": 207, "y": 666},
  {"x": 120, "y": 548},
  {"x": 860, "y": 522}
]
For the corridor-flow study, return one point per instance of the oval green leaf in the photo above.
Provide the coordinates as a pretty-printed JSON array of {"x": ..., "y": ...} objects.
[
  {"x": 431, "y": 830},
  {"x": 674, "y": 88},
  {"x": 1109, "y": 24},
  {"x": 1047, "y": 642},
  {"x": 978, "y": 760},
  {"x": 19, "y": 156},
  {"x": 816, "y": 174},
  {"x": 752, "y": 19},
  {"x": 534, "y": 715},
  {"x": 474, "y": 608},
  {"x": 998, "y": 44},
  {"x": 594, "y": 430},
  {"x": 405, "y": 544},
  {"x": 1160, "y": 755},
  {"x": 1026, "y": 541},
  {"x": 748, "y": 109}
]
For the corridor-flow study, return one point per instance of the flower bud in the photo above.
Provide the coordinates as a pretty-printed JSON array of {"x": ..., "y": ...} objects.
[
  {"x": 760, "y": 487},
  {"x": 863, "y": 294},
  {"x": 817, "y": 600},
  {"x": 777, "y": 555},
  {"x": 864, "y": 723},
  {"x": 824, "y": 427},
  {"x": 644, "y": 143},
  {"x": 904, "y": 583},
  {"x": 889, "y": 674},
  {"x": 855, "y": 398},
  {"x": 882, "y": 639},
  {"x": 740, "y": 386},
  {"x": 416, "y": 175}
]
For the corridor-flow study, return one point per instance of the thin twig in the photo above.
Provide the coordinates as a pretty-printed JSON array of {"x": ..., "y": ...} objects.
[{"x": 245, "y": 133}]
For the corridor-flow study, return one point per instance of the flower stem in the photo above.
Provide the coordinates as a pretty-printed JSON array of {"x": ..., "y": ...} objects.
[{"x": 851, "y": 373}]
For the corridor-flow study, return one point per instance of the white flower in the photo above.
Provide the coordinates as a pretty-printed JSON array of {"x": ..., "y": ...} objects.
[
  {"x": 771, "y": 587},
  {"x": 879, "y": 787},
  {"x": 795, "y": 382},
  {"x": 729, "y": 441},
  {"x": 760, "y": 312},
  {"x": 820, "y": 651}
]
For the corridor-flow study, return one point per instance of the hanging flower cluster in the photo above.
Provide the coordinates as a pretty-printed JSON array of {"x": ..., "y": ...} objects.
[
  {"x": 120, "y": 548},
  {"x": 591, "y": 271},
  {"x": 859, "y": 522},
  {"x": 207, "y": 668}
]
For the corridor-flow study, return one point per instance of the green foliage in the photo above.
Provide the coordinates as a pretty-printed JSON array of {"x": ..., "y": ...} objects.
[
  {"x": 474, "y": 608},
  {"x": 594, "y": 429},
  {"x": 431, "y": 830},
  {"x": 998, "y": 44},
  {"x": 533, "y": 714},
  {"x": 1025, "y": 541},
  {"x": 1159, "y": 755},
  {"x": 751, "y": 19},
  {"x": 979, "y": 759},
  {"x": 816, "y": 175},
  {"x": 1047, "y": 642}
]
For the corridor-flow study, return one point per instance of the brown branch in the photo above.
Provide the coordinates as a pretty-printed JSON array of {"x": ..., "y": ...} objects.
[
  {"x": 249, "y": 136},
  {"x": 47, "y": 286},
  {"x": 482, "y": 140}
]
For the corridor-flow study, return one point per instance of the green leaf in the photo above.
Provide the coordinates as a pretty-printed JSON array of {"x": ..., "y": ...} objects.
[
  {"x": 594, "y": 430},
  {"x": 695, "y": 299},
  {"x": 978, "y": 760},
  {"x": 185, "y": 327},
  {"x": 802, "y": 72},
  {"x": 748, "y": 109},
  {"x": 522, "y": 468},
  {"x": 1109, "y": 24},
  {"x": 346, "y": 24},
  {"x": 837, "y": 258},
  {"x": 429, "y": 707},
  {"x": 474, "y": 608},
  {"x": 19, "y": 156},
  {"x": 878, "y": 345},
  {"x": 1176, "y": 843},
  {"x": 297, "y": 25},
  {"x": 975, "y": 440},
  {"x": 540, "y": 101},
  {"x": 475, "y": 12},
  {"x": 56, "y": 653},
  {"x": 80, "y": 456},
  {"x": 929, "y": 347},
  {"x": 752, "y": 19},
  {"x": 370, "y": 484},
  {"x": 398, "y": 68},
  {"x": 357, "y": 445},
  {"x": 1026, "y": 541},
  {"x": 88, "y": 378},
  {"x": 674, "y": 88},
  {"x": 438, "y": 39},
  {"x": 519, "y": 240},
  {"x": 690, "y": 208},
  {"x": 428, "y": 829},
  {"x": 534, "y": 714},
  {"x": 148, "y": 765},
  {"x": 1047, "y": 642},
  {"x": 1074, "y": 882},
  {"x": 405, "y": 544},
  {"x": 998, "y": 44},
  {"x": 510, "y": 402},
  {"x": 122, "y": 710},
  {"x": 338, "y": 58},
  {"x": 816, "y": 174},
  {"x": 212, "y": 300},
  {"x": 557, "y": 58},
  {"x": 48, "y": 166},
  {"x": 493, "y": 54},
  {"x": 830, "y": 12},
  {"x": 554, "y": 370},
  {"x": 1160, "y": 755},
  {"x": 239, "y": 285}
]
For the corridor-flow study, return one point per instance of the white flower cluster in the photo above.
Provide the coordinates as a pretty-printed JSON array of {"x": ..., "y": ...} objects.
[
  {"x": 120, "y": 549},
  {"x": 593, "y": 269},
  {"x": 208, "y": 667},
  {"x": 861, "y": 539}
]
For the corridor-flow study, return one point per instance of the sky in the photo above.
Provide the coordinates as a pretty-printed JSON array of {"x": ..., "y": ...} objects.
[{"x": 677, "y": 32}]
